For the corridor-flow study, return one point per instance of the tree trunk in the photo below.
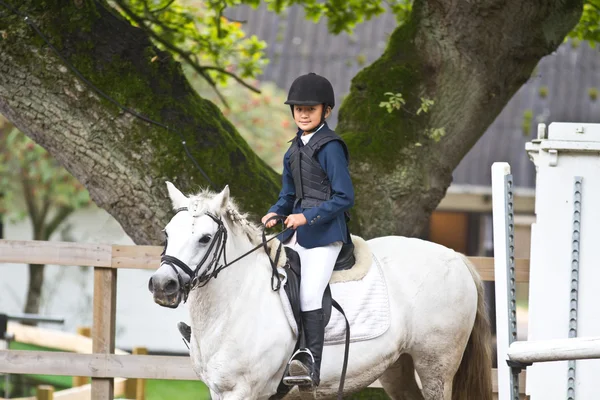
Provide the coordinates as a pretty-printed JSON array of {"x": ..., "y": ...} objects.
[
  {"x": 122, "y": 160},
  {"x": 34, "y": 290},
  {"x": 469, "y": 57},
  {"x": 36, "y": 271}
]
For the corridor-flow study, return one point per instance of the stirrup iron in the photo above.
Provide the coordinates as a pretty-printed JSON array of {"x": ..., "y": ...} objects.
[{"x": 300, "y": 380}]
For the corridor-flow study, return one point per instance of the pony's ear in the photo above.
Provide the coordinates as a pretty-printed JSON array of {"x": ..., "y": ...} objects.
[
  {"x": 222, "y": 199},
  {"x": 178, "y": 199}
]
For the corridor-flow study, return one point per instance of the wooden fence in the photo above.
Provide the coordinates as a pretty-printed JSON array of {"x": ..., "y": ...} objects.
[
  {"x": 103, "y": 365},
  {"x": 80, "y": 343}
]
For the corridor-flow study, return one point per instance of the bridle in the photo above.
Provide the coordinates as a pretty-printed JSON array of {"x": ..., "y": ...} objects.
[{"x": 217, "y": 249}]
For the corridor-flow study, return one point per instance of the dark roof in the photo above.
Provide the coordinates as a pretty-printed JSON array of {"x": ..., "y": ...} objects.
[
  {"x": 566, "y": 77},
  {"x": 297, "y": 46}
]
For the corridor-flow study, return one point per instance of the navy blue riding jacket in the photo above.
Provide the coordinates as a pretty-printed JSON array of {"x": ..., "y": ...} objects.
[{"x": 326, "y": 223}]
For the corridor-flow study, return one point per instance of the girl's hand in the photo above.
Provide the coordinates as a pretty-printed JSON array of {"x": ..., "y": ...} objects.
[
  {"x": 295, "y": 220},
  {"x": 270, "y": 223}
]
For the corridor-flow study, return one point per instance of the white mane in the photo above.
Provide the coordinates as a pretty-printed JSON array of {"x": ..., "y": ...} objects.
[{"x": 238, "y": 221}]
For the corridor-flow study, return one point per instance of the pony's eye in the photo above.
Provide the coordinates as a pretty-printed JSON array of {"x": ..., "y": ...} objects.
[{"x": 204, "y": 239}]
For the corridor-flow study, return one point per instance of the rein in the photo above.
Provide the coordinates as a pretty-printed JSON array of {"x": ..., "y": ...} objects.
[{"x": 218, "y": 244}]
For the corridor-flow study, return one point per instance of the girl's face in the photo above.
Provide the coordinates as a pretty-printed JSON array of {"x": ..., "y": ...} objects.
[{"x": 309, "y": 117}]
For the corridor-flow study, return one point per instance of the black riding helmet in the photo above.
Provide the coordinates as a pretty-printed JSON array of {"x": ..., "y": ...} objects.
[{"x": 310, "y": 90}]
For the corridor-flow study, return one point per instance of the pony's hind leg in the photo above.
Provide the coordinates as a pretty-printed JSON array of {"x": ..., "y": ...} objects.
[
  {"x": 436, "y": 371},
  {"x": 399, "y": 381}
]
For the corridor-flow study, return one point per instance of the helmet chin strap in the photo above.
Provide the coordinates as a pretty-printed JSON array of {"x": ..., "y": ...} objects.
[{"x": 316, "y": 128}]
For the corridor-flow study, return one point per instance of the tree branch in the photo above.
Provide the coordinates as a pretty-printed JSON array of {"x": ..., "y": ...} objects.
[
  {"x": 234, "y": 76},
  {"x": 161, "y": 9},
  {"x": 239, "y": 21},
  {"x": 30, "y": 200},
  {"x": 185, "y": 55},
  {"x": 45, "y": 207},
  {"x": 62, "y": 214}
]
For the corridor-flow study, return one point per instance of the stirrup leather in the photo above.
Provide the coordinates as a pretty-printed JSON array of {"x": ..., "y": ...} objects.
[{"x": 300, "y": 380}]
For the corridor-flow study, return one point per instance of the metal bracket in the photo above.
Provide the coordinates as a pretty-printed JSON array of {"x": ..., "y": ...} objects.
[
  {"x": 553, "y": 157},
  {"x": 511, "y": 274},
  {"x": 575, "y": 241},
  {"x": 517, "y": 365}
]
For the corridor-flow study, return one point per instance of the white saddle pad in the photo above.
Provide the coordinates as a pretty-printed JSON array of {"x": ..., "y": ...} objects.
[{"x": 365, "y": 303}]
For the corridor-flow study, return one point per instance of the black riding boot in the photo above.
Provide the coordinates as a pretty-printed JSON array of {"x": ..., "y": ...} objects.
[
  {"x": 185, "y": 330},
  {"x": 305, "y": 366}
]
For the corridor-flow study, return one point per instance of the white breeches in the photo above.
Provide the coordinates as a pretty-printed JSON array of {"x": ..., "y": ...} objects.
[{"x": 317, "y": 267}]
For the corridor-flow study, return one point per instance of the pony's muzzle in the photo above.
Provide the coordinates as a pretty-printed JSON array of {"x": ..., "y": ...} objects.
[{"x": 166, "y": 290}]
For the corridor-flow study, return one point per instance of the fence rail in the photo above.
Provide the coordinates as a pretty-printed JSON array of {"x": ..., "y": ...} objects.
[
  {"x": 148, "y": 257},
  {"x": 103, "y": 365}
]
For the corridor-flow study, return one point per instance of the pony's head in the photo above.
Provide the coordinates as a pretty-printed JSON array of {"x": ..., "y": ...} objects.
[{"x": 195, "y": 242}]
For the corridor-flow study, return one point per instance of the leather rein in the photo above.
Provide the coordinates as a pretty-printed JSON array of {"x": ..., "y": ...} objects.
[{"x": 213, "y": 255}]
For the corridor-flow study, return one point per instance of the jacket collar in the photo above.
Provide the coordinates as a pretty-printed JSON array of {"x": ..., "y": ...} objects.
[{"x": 323, "y": 128}]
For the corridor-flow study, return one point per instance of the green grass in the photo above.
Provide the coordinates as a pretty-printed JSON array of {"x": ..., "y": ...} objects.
[
  {"x": 369, "y": 394},
  {"x": 180, "y": 390}
]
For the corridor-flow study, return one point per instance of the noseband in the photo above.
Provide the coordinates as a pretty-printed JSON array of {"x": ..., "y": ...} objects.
[{"x": 217, "y": 248}]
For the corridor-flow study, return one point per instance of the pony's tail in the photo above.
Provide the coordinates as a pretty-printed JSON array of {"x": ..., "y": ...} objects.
[{"x": 473, "y": 380}]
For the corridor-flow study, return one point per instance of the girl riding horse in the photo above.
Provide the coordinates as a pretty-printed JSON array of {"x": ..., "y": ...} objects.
[{"x": 316, "y": 195}]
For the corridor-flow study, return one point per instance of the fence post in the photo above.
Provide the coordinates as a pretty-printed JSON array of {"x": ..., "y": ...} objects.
[
  {"x": 85, "y": 331},
  {"x": 135, "y": 388},
  {"x": 45, "y": 392},
  {"x": 103, "y": 328},
  {"x": 504, "y": 277}
]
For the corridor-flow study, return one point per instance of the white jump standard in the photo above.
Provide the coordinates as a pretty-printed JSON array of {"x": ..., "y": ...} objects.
[{"x": 564, "y": 287}]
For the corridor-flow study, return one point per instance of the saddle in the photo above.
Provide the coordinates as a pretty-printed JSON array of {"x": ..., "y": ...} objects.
[{"x": 346, "y": 258}]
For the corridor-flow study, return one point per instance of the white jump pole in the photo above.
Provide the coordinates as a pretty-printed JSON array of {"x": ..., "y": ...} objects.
[
  {"x": 533, "y": 351},
  {"x": 504, "y": 276}
]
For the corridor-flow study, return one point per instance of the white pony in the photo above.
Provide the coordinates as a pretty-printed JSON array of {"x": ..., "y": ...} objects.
[{"x": 436, "y": 345}]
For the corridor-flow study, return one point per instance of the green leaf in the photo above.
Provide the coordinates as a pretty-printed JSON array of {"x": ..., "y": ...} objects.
[{"x": 588, "y": 27}]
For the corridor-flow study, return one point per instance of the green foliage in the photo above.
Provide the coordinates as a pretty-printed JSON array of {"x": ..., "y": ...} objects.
[
  {"x": 425, "y": 105},
  {"x": 34, "y": 184},
  {"x": 395, "y": 101},
  {"x": 526, "y": 124},
  {"x": 342, "y": 15},
  {"x": 401, "y": 9},
  {"x": 588, "y": 27},
  {"x": 197, "y": 33},
  {"x": 436, "y": 134},
  {"x": 361, "y": 60}
]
